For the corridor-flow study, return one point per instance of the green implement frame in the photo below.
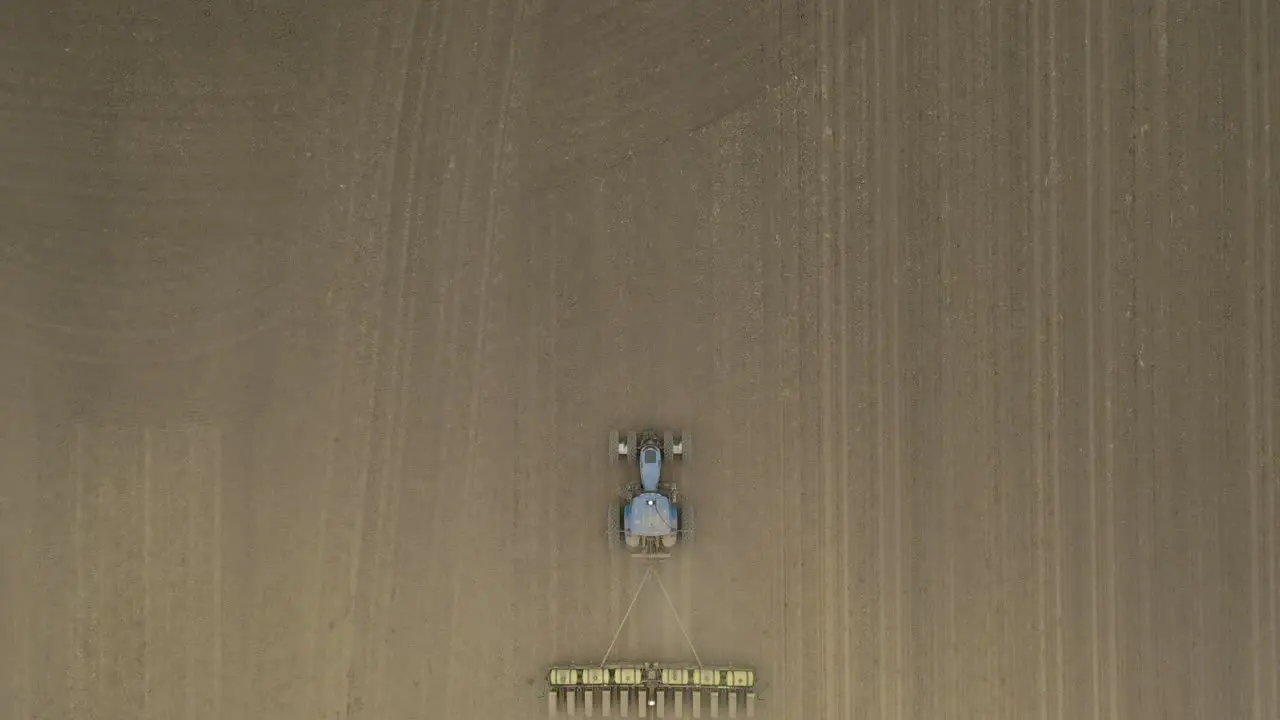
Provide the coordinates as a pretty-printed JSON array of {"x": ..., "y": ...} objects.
[{"x": 648, "y": 686}]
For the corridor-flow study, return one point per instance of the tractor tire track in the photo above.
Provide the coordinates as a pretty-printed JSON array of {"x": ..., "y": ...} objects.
[
  {"x": 891, "y": 621},
  {"x": 832, "y": 391},
  {"x": 1261, "y": 199}
]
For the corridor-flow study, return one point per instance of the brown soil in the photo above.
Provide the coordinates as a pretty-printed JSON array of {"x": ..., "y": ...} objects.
[{"x": 315, "y": 316}]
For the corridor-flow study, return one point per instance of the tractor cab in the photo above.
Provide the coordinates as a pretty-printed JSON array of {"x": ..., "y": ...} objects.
[{"x": 650, "y": 514}]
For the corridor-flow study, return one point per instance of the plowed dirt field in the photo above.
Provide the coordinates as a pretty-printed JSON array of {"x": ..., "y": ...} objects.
[{"x": 315, "y": 317}]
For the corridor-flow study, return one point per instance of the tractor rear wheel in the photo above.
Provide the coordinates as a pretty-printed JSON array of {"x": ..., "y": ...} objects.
[{"x": 615, "y": 525}]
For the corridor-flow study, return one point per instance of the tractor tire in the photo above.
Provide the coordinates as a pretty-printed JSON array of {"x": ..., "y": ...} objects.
[
  {"x": 615, "y": 525},
  {"x": 667, "y": 444},
  {"x": 613, "y": 445}
]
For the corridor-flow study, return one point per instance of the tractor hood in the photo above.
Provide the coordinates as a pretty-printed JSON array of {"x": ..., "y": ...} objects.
[{"x": 650, "y": 467}]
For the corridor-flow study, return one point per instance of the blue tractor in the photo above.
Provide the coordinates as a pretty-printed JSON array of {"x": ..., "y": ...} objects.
[{"x": 650, "y": 519}]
